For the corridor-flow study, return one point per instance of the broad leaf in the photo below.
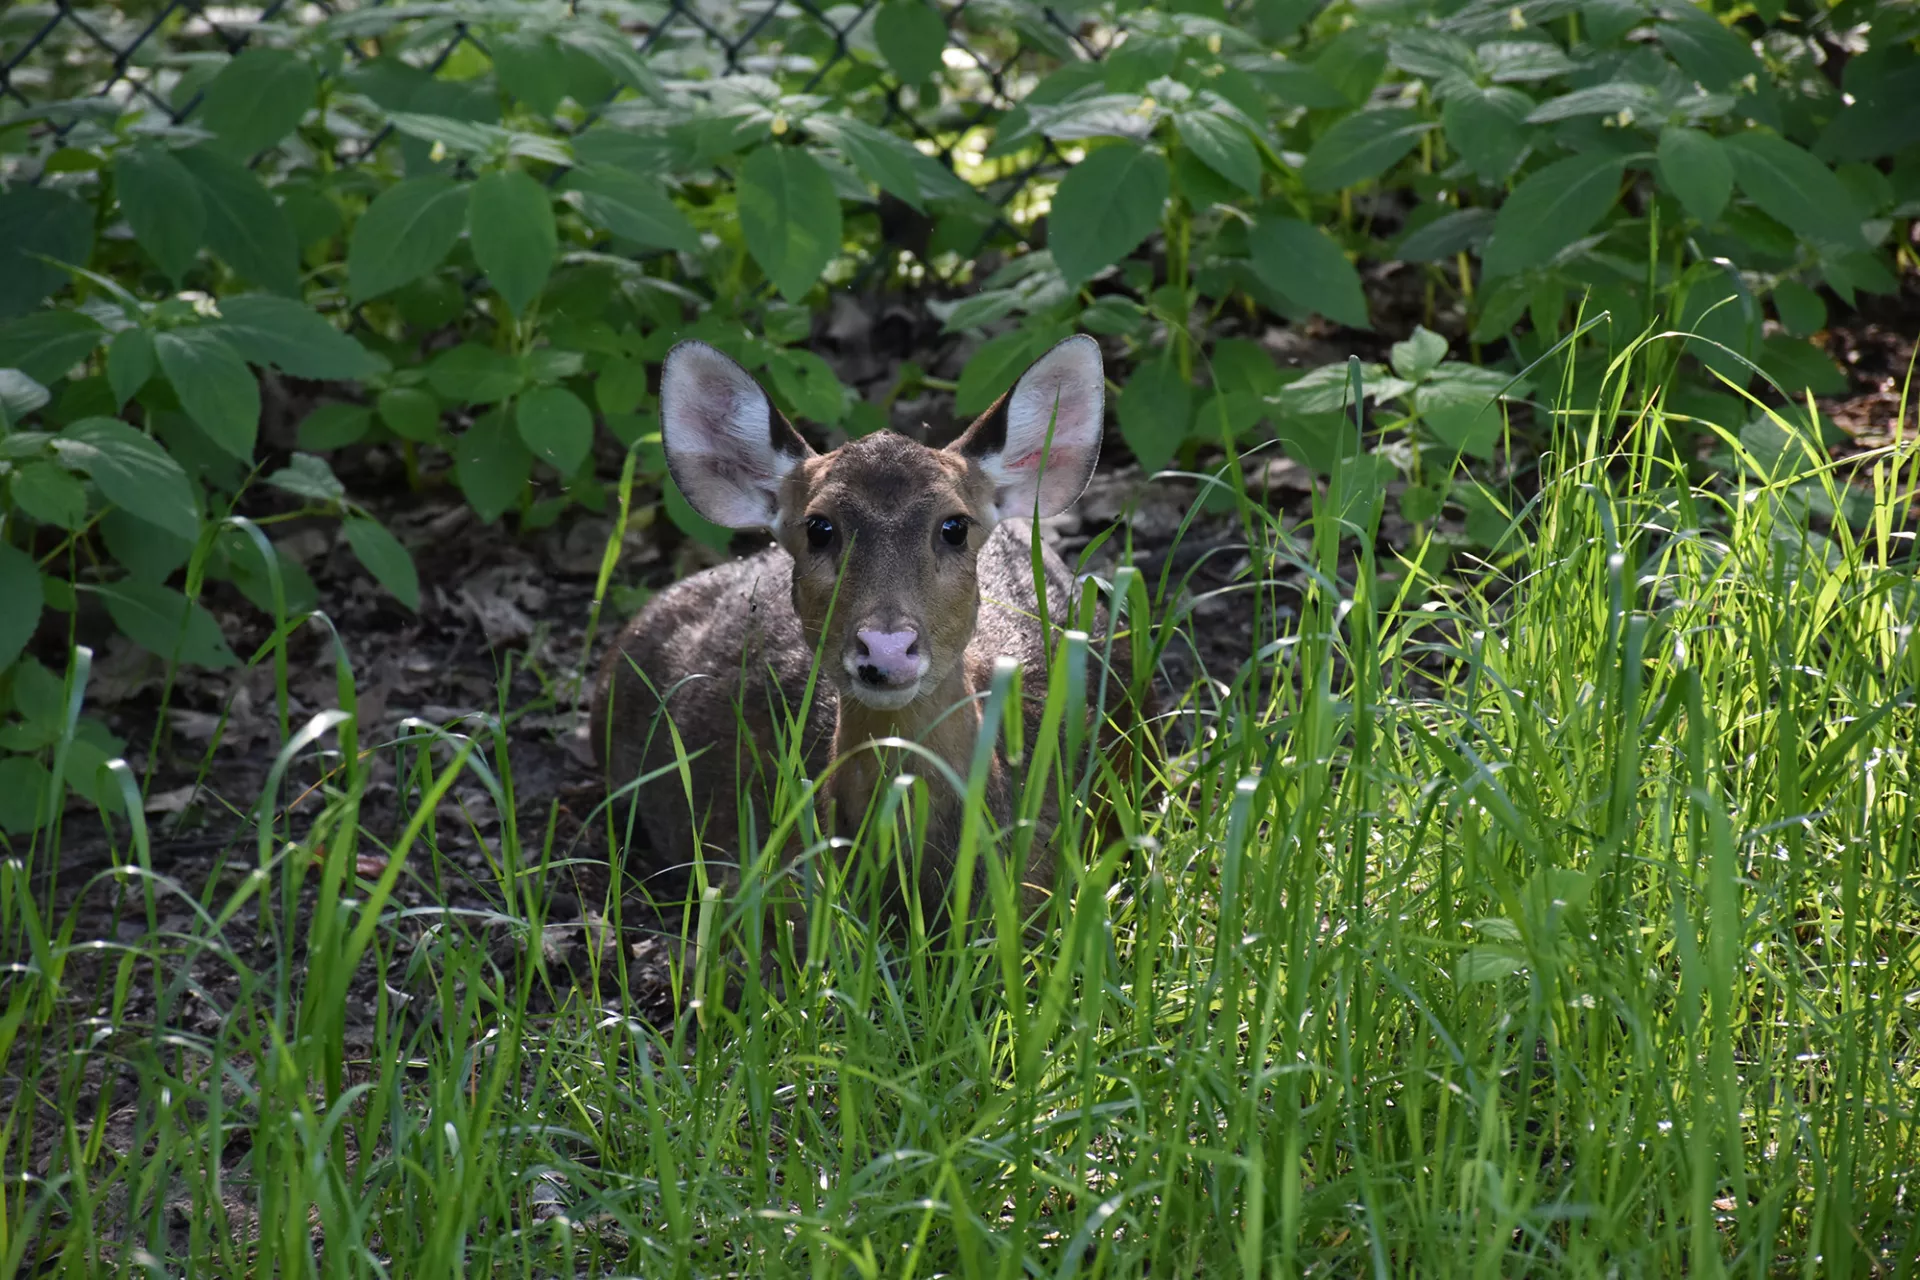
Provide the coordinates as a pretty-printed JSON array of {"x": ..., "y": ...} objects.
[
  {"x": 20, "y": 588},
  {"x": 385, "y": 558},
  {"x": 50, "y": 495},
  {"x": 993, "y": 368},
  {"x": 1361, "y": 146},
  {"x": 510, "y": 224},
  {"x": 215, "y": 387},
  {"x": 1447, "y": 235},
  {"x": 306, "y": 476},
  {"x": 162, "y": 204},
  {"x": 1790, "y": 185},
  {"x": 789, "y": 216},
  {"x": 885, "y": 159},
  {"x": 405, "y": 233},
  {"x": 1696, "y": 169},
  {"x": 1301, "y": 261},
  {"x": 133, "y": 472},
  {"x": 1419, "y": 355},
  {"x": 1155, "y": 412},
  {"x": 531, "y": 67},
  {"x": 1705, "y": 49},
  {"x": 632, "y": 207},
  {"x": 293, "y": 338},
  {"x": 129, "y": 364},
  {"x": 911, "y": 36},
  {"x": 492, "y": 465},
  {"x": 257, "y": 99},
  {"x": 1551, "y": 209},
  {"x": 410, "y": 413},
  {"x": 1105, "y": 206},
  {"x": 1223, "y": 145},
  {"x": 164, "y": 622},
  {"x": 20, "y": 396},
  {"x": 37, "y": 222},
  {"x": 1802, "y": 311},
  {"x": 245, "y": 228},
  {"x": 473, "y": 374},
  {"x": 334, "y": 425},
  {"x": 556, "y": 426},
  {"x": 1488, "y": 127},
  {"x": 47, "y": 344}
]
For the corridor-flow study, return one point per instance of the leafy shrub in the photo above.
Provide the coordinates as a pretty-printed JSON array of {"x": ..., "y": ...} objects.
[{"x": 479, "y": 225}]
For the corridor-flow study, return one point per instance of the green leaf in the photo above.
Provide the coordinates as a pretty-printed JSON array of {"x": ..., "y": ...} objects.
[
  {"x": 20, "y": 588},
  {"x": 473, "y": 374},
  {"x": 245, "y": 228},
  {"x": 1696, "y": 169},
  {"x": 1223, "y": 145},
  {"x": 133, "y": 472},
  {"x": 129, "y": 364},
  {"x": 1155, "y": 412},
  {"x": 532, "y": 68},
  {"x": 20, "y": 396},
  {"x": 632, "y": 207},
  {"x": 257, "y": 99},
  {"x": 410, "y": 413},
  {"x": 887, "y": 160},
  {"x": 1882, "y": 120},
  {"x": 49, "y": 495},
  {"x": 162, "y": 204},
  {"x": 1447, "y": 235},
  {"x": 1802, "y": 311},
  {"x": 293, "y": 338},
  {"x": 306, "y": 476},
  {"x": 215, "y": 387},
  {"x": 790, "y": 217},
  {"x": 24, "y": 783},
  {"x": 510, "y": 224},
  {"x": 405, "y": 233},
  {"x": 1551, "y": 209},
  {"x": 1488, "y": 127},
  {"x": 38, "y": 222},
  {"x": 911, "y": 37},
  {"x": 385, "y": 558},
  {"x": 808, "y": 384},
  {"x": 47, "y": 344},
  {"x": 1419, "y": 355},
  {"x": 1361, "y": 146},
  {"x": 621, "y": 386},
  {"x": 1105, "y": 206},
  {"x": 556, "y": 426},
  {"x": 1302, "y": 262},
  {"x": 164, "y": 622},
  {"x": 1705, "y": 49},
  {"x": 492, "y": 465},
  {"x": 1718, "y": 308},
  {"x": 1636, "y": 100},
  {"x": 1791, "y": 185},
  {"x": 1459, "y": 408},
  {"x": 992, "y": 370},
  {"x": 334, "y": 426},
  {"x": 1800, "y": 367}
]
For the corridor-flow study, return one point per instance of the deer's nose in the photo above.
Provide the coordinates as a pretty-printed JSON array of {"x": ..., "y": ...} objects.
[{"x": 888, "y": 659}]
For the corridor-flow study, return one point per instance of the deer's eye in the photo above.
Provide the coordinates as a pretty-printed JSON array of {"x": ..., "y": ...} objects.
[
  {"x": 819, "y": 532},
  {"x": 954, "y": 531}
]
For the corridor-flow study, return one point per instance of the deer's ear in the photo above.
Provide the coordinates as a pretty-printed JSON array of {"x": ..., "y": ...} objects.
[
  {"x": 728, "y": 448},
  {"x": 1054, "y": 412}
]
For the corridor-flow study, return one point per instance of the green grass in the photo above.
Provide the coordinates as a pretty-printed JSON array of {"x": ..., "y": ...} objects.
[{"x": 1554, "y": 919}]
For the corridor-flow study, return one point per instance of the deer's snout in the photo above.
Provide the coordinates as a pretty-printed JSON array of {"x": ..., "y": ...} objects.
[{"x": 887, "y": 660}]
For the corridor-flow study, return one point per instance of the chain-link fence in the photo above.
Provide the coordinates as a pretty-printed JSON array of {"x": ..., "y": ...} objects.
[{"x": 941, "y": 75}]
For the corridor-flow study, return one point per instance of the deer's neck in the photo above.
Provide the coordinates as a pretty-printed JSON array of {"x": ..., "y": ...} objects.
[{"x": 946, "y": 721}]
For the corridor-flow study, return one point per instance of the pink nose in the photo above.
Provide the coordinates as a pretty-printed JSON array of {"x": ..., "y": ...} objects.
[{"x": 889, "y": 657}]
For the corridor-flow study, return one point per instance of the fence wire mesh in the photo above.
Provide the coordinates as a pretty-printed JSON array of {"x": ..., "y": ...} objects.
[{"x": 71, "y": 73}]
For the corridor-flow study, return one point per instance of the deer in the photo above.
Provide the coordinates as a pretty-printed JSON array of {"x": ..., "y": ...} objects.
[{"x": 899, "y": 572}]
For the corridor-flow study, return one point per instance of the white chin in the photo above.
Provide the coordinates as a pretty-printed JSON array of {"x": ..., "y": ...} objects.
[{"x": 883, "y": 699}]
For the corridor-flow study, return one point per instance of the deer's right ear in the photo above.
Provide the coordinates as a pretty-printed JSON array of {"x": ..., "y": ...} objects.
[{"x": 728, "y": 448}]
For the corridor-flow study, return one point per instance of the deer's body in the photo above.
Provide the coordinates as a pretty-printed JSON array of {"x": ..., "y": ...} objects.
[{"x": 902, "y": 567}]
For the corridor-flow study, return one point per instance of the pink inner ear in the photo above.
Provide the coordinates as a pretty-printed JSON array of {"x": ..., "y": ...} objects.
[{"x": 1031, "y": 460}]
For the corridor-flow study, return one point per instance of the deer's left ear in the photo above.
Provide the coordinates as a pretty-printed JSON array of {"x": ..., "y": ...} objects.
[{"x": 1055, "y": 413}]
